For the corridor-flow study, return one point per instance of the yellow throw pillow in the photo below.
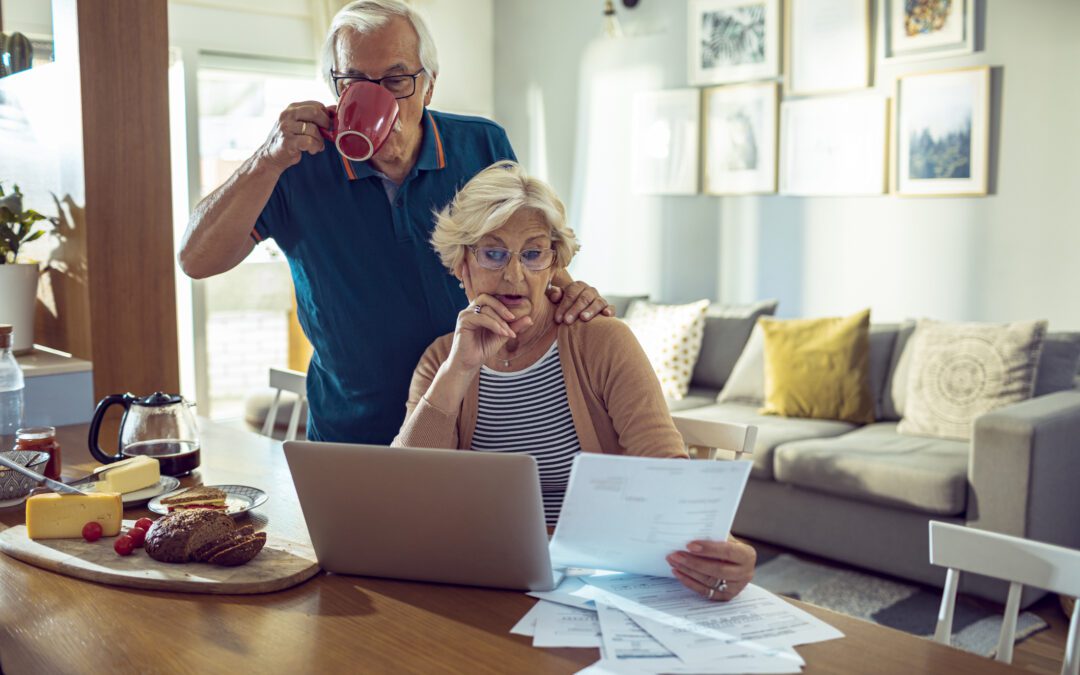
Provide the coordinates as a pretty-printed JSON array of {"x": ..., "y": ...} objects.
[{"x": 819, "y": 368}]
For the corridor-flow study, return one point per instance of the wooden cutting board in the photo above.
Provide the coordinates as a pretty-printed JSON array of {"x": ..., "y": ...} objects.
[{"x": 279, "y": 565}]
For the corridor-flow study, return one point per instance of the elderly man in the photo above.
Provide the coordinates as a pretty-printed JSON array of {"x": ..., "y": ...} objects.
[{"x": 372, "y": 294}]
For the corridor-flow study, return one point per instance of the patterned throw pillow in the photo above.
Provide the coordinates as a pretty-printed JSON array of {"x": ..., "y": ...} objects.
[
  {"x": 959, "y": 371},
  {"x": 671, "y": 337}
]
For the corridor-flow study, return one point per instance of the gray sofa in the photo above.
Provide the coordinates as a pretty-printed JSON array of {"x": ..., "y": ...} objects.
[{"x": 864, "y": 494}]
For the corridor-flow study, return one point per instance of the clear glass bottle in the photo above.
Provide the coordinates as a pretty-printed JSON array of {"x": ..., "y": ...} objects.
[{"x": 11, "y": 391}]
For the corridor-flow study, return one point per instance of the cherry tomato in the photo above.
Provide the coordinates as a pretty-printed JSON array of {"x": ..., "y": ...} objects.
[
  {"x": 144, "y": 523},
  {"x": 124, "y": 545},
  {"x": 137, "y": 535},
  {"x": 91, "y": 531}
]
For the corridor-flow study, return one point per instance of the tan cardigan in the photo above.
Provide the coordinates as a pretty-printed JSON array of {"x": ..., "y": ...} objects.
[{"x": 614, "y": 396}]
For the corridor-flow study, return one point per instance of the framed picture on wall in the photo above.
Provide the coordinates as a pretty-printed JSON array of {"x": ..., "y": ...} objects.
[
  {"x": 664, "y": 142},
  {"x": 827, "y": 46},
  {"x": 740, "y": 139},
  {"x": 834, "y": 145},
  {"x": 733, "y": 40},
  {"x": 926, "y": 29},
  {"x": 943, "y": 132}
]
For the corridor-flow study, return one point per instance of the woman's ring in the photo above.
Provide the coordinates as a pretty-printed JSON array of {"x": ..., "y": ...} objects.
[
  {"x": 712, "y": 592},
  {"x": 720, "y": 586},
  {"x": 477, "y": 308}
]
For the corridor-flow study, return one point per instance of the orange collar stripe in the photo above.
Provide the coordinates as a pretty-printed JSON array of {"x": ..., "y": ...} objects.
[
  {"x": 438, "y": 143},
  {"x": 348, "y": 169}
]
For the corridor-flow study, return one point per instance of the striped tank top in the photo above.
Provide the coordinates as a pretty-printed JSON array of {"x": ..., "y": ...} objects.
[{"x": 527, "y": 411}]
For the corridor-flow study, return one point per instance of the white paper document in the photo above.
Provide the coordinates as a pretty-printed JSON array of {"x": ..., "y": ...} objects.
[
  {"x": 526, "y": 625},
  {"x": 563, "y": 626},
  {"x": 628, "y": 513},
  {"x": 698, "y": 630},
  {"x": 627, "y": 648},
  {"x": 572, "y": 591}
]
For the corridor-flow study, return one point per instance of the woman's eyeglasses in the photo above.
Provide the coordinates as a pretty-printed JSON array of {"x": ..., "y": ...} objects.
[{"x": 497, "y": 257}]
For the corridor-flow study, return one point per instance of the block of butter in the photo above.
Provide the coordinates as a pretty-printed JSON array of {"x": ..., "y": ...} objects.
[
  {"x": 129, "y": 475},
  {"x": 55, "y": 516}
]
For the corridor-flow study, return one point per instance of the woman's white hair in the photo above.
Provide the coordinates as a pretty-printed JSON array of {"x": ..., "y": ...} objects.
[
  {"x": 488, "y": 201},
  {"x": 364, "y": 16}
]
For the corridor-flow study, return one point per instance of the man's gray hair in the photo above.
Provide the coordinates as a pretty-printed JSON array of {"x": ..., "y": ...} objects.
[{"x": 364, "y": 16}]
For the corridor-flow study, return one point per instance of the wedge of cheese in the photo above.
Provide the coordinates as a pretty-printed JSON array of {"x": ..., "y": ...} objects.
[
  {"x": 128, "y": 476},
  {"x": 55, "y": 516}
]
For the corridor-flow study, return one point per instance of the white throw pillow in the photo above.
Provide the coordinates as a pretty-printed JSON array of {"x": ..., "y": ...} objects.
[
  {"x": 959, "y": 371},
  {"x": 671, "y": 337},
  {"x": 746, "y": 384}
]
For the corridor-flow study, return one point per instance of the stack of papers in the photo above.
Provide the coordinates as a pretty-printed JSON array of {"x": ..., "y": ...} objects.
[
  {"x": 629, "y": 513},
  {"x": 644, "y": 624}
]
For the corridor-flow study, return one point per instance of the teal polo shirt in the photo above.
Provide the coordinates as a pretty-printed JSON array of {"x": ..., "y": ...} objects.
[{"x": 371, "y": 293}]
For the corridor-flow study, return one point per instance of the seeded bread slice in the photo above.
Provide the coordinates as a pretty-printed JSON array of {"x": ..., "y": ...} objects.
[
  {"x": 203, "y": 553},
  {"x": 240, "y": 553}
]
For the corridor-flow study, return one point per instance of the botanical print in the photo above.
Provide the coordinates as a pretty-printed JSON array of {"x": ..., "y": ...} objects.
[
  {"x": 925, "y": 16},
  {"x": 733, "y": 36},
  {"x": 939, "y": 134}
]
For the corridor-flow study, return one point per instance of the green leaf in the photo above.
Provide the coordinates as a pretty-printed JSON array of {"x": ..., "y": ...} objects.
[{"x": 34, "y": 237}]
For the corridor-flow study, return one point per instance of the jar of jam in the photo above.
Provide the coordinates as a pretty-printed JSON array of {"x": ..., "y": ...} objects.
[{"x": 41, "y": 439}]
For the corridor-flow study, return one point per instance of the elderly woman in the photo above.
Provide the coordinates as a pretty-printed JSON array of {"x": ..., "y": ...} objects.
[{"x": 511, "y": 379}]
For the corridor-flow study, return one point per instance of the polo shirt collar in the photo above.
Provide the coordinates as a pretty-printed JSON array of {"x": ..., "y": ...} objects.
[{"x": 432, "y": 154}]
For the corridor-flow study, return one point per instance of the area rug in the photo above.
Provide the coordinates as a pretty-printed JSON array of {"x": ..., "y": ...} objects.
[{"x": 903, "y": 606}]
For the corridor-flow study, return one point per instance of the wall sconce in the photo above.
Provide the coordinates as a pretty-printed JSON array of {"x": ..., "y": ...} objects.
[{"x": 612, "y": 28}]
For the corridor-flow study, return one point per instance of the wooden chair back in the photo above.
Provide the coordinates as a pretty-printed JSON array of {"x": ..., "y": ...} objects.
[
  {"x": 705, "y": 438},
  {"x": 283, "y": 379},
  {"x": 1020, "y": 561}
]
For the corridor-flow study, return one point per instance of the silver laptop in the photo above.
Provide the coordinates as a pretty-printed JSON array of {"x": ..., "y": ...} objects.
[{"x": 450, "y": 516}]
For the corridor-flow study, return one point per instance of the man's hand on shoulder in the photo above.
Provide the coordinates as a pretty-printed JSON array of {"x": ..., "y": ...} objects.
[
  {"x": 576, "y": 300},
  {"x": 296, "y": 132}
]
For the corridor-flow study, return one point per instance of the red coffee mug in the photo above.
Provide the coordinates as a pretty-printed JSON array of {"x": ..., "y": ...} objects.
[{"x": 363, "y": 120}]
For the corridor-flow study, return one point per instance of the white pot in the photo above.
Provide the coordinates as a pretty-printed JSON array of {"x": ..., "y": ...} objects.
[{"x": 18, "y": 295}]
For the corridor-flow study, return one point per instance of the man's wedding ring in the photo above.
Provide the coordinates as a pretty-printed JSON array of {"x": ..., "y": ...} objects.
[
  {"x": 477, "y": 308},
  {"x": 303, "y": 128}
]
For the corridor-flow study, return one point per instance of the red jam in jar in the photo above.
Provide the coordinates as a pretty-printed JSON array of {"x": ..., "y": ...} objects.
[{"x": 41, "y": 439}]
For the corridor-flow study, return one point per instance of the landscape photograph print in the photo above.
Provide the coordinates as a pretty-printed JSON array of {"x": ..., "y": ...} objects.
[{"x": 943, "y": 123}]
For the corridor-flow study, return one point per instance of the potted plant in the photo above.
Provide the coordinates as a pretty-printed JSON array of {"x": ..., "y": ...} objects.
[{"x": 18, "y": 281}]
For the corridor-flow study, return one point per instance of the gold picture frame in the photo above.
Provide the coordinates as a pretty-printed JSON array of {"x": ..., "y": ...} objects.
[
  {"x": 739, "y": 136},
  {"x": 942, "y": 133},
  {"x": 832, "y": 65}
]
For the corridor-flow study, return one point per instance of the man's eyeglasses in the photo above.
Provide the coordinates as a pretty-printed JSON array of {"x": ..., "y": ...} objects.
[
  {"x": 497, "y": 257},
  {"x": 401, "y": 86}
]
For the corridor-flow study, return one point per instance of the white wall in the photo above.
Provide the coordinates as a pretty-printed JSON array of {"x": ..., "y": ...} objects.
[
  {"x": 1012, "y": 255},
  {"x": 32, "y": 18}
]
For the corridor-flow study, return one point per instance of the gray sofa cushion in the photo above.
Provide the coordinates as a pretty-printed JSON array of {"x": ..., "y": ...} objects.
[
  {"x": 894, "y": 393},
  {"x": 727, "y": 328},
  {"x": 882, "y": 340},
  {"x": 695, "y": 398},
  {"x": 621, "y": 303},
  {"x": 876, "y": 464},
  {"x": 1058, "y": 363},
  {"x": 772, "y": 430}
]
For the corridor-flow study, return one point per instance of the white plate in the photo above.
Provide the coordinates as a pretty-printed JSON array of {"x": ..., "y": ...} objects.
[
  {"x": 165, "y": 484},
  {"x": 238, "y": 499}
]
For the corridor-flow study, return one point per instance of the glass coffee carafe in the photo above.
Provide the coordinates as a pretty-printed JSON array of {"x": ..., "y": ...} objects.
[{"x": 160, "y": 425}]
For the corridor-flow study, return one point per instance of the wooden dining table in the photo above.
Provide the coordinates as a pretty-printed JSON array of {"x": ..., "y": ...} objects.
[{"x": 330, "y": 623}]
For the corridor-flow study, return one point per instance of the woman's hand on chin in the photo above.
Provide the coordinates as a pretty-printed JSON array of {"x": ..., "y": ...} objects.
[
  {"x": 717, "y": 570},
  {"x": 482, "y": 329}
]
